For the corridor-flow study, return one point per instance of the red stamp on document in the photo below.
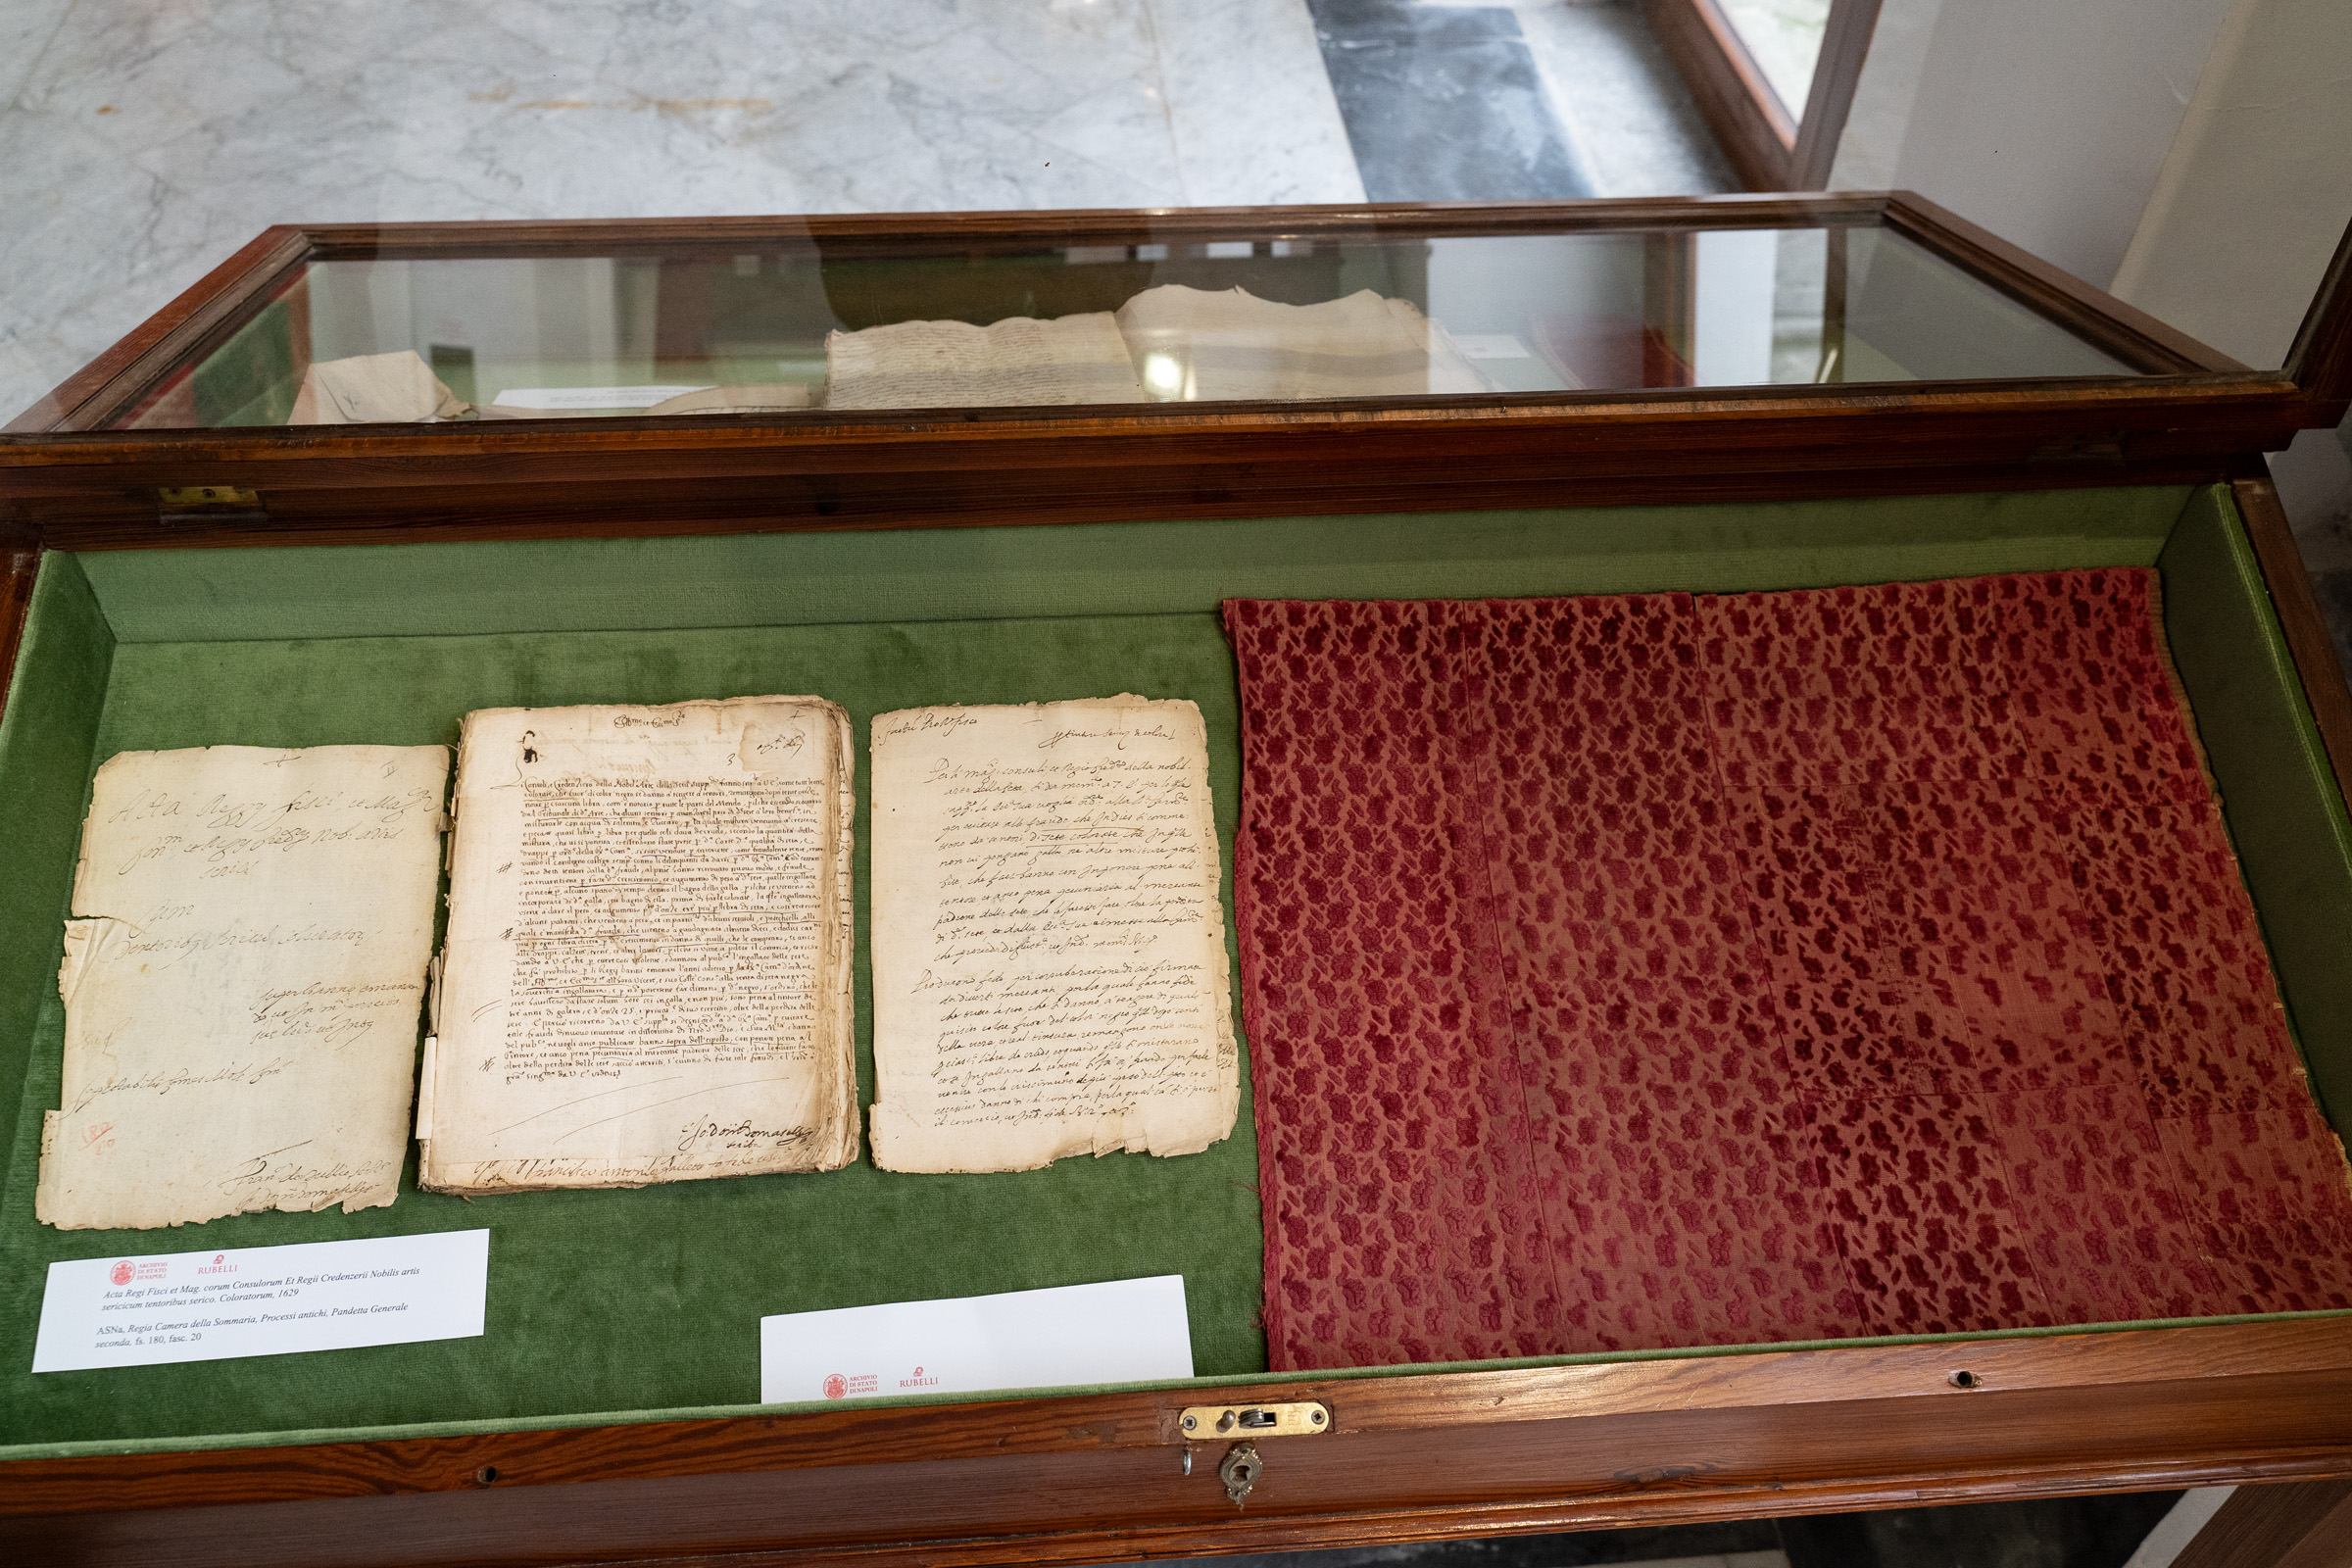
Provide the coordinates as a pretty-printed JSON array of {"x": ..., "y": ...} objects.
[
  {"x": 120, "y": 1273},
  {"x": 835, "y": 1386}
]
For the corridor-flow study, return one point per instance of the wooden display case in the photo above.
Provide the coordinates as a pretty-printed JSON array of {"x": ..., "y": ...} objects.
[{"x": 1933, "y": 403}]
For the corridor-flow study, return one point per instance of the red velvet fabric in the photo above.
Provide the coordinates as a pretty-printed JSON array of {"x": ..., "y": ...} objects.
[{"x": 1657, "y": 971}]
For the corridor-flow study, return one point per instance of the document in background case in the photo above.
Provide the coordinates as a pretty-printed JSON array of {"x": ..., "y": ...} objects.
[
  {"x": 1200, "y": 345},
  {"x": 243, "y": 977},
  {"x": 1050, "y": 972},
  {"x": 647, "y": 976},
  {"x": 1121, "y": 1331},
  {"x": 397, "y": 388},
  {"x": 560, "y": 399},
  {"x": 261, "y": 1300},
  {"x": 914, "y": 365}
]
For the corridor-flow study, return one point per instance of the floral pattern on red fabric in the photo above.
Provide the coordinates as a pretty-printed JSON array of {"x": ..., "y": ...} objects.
[{"x": 1652, "y": 970}]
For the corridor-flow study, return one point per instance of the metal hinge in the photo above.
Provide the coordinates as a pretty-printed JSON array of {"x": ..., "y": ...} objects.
[{"x": 207, "y": 502}]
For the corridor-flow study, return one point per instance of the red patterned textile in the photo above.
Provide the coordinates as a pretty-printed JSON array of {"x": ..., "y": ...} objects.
[{"x": 1657, "y": 971}]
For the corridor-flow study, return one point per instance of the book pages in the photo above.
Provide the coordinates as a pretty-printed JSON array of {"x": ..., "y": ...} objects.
[
  {"x": 1050, "y": 968},
  {"x": 646, "y": 973},
  {"x": 244, "y": 972},
  {"x": 1190, "y": 344},
  {"x": 950, "y": 365}
]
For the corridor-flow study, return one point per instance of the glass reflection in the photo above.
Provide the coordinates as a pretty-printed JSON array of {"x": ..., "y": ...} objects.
[{"x": 812, "y": 325}]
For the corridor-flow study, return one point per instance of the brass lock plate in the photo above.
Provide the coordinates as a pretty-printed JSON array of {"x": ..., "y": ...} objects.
[{"x": 1207, "y": 1423}]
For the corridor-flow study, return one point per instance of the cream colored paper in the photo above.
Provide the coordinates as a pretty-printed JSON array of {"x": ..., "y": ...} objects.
[
  {"x": 397, "y": 388},
  {"x": 1190, "y": 345},
  {"x": 647, "y": 975},
  {"x": 243, "y": 976},
  {"x": 1050, "y": 970},
  {"x": 782, "y": 397},
  {"x": 954, "y": 364}
]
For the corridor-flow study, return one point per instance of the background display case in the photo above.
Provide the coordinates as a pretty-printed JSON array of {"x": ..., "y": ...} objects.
[{"x": 1704, "y": 396}]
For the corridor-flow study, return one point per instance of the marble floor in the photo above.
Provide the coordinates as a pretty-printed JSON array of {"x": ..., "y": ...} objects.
[
  {"x": 1445, "y": 101},
  {"x": 142, "y": 141}
]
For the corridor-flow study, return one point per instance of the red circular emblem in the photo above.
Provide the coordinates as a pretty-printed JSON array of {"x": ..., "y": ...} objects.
[
  {"x": 836, "y": 1385},
  {"x": 119, "y": 1273}
]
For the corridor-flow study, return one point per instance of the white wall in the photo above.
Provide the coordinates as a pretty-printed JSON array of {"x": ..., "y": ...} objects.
[
  {"x": 2246, "y": 214},
  {"x": 2048, "y": 123},
  {"x": 2255, "y": 193},
  {"x": 2193, "y": 155}
]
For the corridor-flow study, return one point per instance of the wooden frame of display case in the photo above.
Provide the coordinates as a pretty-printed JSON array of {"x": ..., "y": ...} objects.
[
  {"x": 1772, "y": 145},
  {"x": 1104, "y": 1476}
]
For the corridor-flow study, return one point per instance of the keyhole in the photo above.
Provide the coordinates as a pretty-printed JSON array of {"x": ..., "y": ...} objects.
[
  {"x": 1965, "y": 1380},
  {"x": 1240, "y": 1471}
]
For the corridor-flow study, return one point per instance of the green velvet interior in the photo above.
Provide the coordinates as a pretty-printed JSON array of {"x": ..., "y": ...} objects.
[
  {"x": 622, "y": 1300},
  {"x": 608, "y": 1305},
  {"x": 2278, "y": 794}
]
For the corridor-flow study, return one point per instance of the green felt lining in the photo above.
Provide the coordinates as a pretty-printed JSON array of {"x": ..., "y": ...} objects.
[
  {"x": 645, "y": 1305},
  {"x": 1106, "y": 568},
  {"x": 47, "y": 737},
  {"x": 629, "y": 1299},
  {"x": 2279, "y": 792}
]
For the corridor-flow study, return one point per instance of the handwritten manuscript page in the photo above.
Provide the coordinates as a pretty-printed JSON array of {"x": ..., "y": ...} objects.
[
  {"x": 243, "y": 976},
  {"x": 1049, "y": 973},
  {"x": 647, "y": 975}
]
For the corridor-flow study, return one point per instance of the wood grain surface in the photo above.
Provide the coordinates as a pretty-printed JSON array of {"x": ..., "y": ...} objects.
[
  {"x": 1095, "y": 1477},
  {"x": 2321, "y": 359},
  {"x": 1752, "y": 126},
  {"x": 637, "y": 475}
]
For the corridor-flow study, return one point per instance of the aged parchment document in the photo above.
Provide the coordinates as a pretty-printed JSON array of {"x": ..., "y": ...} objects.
[
  {"x": 954, "y": 364},
  {"x": 397, "y": 388},
  {"x": 1193, "y": 344},
  {"x": 647, "y": 975},
  {"x": 243, "y": 976},
  {"x": 1049, "y": 973}
]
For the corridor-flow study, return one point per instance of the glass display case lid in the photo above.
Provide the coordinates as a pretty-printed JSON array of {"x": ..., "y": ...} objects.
[
  {"x": 461, "y": 380},
  {"x": 807, "y": 319}
]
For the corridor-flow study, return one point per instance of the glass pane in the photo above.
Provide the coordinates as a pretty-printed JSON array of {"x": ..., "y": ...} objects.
[
  {"x": 1784, "y": 38},
  {"x": 810, "y": 325}
]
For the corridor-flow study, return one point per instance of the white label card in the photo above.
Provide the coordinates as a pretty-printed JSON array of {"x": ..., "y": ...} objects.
[
  {"x": 261, "y": 1300},
  {"x": 550, "y": 398},
  {"x": 1124, "y": 1331}
]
